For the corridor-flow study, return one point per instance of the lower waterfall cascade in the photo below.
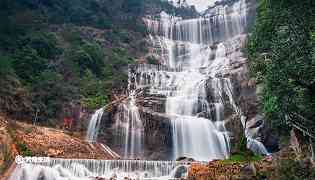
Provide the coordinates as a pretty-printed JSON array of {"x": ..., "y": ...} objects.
[
  {"x": 194, "y": 82},
  {"x": 88, "y": 169}
]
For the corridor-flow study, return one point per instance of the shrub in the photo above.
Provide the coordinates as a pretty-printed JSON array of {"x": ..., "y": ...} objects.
[
  {"x": 23, "y": 149},
  {"x": 294, "y": 170},
  {"x": 152, "y": 60}
]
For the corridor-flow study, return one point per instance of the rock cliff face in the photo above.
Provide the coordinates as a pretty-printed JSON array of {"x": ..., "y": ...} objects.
[{"x": 201, "y": 76}]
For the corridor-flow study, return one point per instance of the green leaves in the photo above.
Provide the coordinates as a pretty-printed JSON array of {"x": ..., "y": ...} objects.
[
  {"x": 5, "y": 65},
  {"x": 52, "y": 53},
  {"x": 44, "y": 43},
  {"x": 28, "y": 64},
  {"x": 271, "y": 104},
  {"x": 281, "y": 54}
]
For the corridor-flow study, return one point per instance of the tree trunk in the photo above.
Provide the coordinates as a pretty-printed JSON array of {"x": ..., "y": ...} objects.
[{"x": 312, "y": 143}]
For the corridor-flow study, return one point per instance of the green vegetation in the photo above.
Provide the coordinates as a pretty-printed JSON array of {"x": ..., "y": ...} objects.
[
  {"x": 281, "y": 52},
  {"x": 23, "y": 149},
  {"x": 49, "y": 59},
  {"x": 152, "y": 60},
  {"x": 242, "y": 157},
  {"x": 288, "y": 169},
  {"x": 242, "y": 154}
]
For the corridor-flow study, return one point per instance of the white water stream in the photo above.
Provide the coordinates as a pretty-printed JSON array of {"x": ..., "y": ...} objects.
[
  {"x": 128, "y": 119},
  {"x": 94, "y": 125}
]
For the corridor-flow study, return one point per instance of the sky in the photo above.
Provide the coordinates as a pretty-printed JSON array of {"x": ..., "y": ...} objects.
[{"x": 201, "y": 5}]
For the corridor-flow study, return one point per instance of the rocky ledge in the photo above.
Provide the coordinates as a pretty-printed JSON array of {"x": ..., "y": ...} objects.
[
  {"x": 42, "y": 141},
  {"x": 220, "y": 170},
  {"x": 289, "y": 163}
]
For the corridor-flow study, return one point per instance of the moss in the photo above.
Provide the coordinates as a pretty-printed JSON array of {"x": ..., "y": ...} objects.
[{"x": 241, "y": 158}]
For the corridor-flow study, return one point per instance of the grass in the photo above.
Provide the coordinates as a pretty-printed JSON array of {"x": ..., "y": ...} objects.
[{"x": 242, "y": 158}]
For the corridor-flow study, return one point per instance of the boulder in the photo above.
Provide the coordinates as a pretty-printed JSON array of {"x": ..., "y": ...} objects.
[
  {"x": 249, "y": 170},
  {"x": 185, "y": 159},
  {"x": 180, "y": 172}
]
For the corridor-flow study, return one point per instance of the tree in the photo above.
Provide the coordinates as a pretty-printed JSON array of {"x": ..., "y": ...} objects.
[
  {"x": 28, "y": 64},
  {"x": 281, "y": 52}
]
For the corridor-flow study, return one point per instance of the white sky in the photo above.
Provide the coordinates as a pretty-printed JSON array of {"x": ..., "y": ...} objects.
[{"x": 201, "y": 5}]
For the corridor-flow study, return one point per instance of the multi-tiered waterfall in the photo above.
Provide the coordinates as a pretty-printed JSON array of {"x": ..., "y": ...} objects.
[
  {"x": 177, "y": 108},
  {"x": 200, "y": 51}
]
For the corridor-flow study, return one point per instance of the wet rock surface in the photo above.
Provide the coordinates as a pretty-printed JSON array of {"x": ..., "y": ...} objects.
[{"x": 157, "y": 127}]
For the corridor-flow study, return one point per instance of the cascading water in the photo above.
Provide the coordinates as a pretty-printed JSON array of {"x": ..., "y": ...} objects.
[
  {"x": 201, "y": 49},
  {"x": 196, "y": 56},
  {"x": 128, "y": 120},
  {"x": 58, "y": 169},
  {"x": 94, "y": 125}
]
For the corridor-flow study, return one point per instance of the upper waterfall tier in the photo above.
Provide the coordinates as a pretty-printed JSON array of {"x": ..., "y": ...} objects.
[
  {"x": 201, "y": 61},
  {"x": 219, "y": 24}
]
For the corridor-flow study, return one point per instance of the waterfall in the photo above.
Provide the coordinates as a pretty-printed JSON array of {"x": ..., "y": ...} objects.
[
  {"x": 217, "y": 25},
  {"x": 128, "y": 121},
  {"x": 198, "y": 138},
  {"x": 92, "y": 169},
  {"x": 94, "y": 125},
  {"x": 202, "y": 51},
  {"x": 194, "y": 80}
]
